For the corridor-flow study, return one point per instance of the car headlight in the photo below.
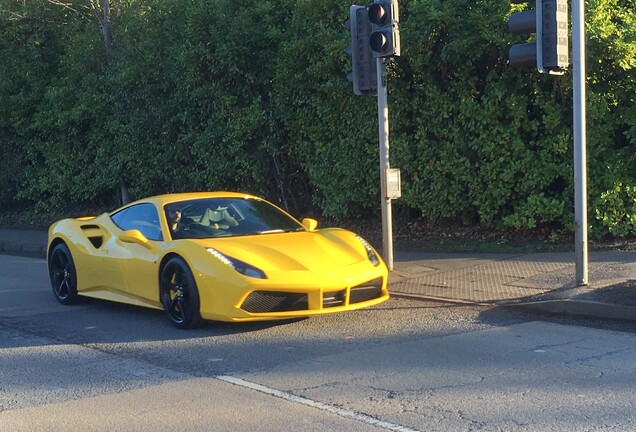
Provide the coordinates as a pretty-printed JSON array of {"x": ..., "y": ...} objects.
[
  {"x": 370, "y": 252},
  {"x": 242, "y": 267}
]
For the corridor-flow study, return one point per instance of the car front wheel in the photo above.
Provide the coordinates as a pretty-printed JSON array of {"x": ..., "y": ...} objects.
[
  {"x": 179, "y": 294},
  {"x": 63, "y": 275}
]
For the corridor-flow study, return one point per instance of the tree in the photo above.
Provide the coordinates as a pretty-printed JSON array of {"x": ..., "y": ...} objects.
[{"x": 105, "y": 98}]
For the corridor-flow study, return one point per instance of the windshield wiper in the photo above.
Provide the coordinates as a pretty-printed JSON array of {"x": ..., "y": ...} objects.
[
  {"x": 271, "y": 231},
  {"x": 279, "y": 230}
]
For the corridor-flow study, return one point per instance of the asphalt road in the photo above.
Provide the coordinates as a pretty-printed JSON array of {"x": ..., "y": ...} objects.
[{"x": 406, "y": 365}]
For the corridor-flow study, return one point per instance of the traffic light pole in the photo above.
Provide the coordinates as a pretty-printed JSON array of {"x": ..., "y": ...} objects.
[
  {"x": 383, "y": 125},
  {"x": 580, "y": 145}
]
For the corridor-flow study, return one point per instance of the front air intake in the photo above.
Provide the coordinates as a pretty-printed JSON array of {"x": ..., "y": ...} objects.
[
  {"x": 365, "y": 292},
  {"x": 274, "y": 301}
]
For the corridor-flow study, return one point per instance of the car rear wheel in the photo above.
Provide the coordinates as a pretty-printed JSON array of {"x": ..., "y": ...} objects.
[
  {"x": 63, "y": 275},
  {"x": 179, "y": 295}
]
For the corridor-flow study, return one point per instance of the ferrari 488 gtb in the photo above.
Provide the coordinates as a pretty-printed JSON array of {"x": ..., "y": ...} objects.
[{"x": 214, "y": 256}]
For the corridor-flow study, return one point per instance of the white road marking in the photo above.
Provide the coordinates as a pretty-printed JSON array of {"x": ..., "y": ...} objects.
[{"x": 319, "y": 405}]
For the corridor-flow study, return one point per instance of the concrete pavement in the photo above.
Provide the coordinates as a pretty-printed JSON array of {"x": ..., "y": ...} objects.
[{"x": 543, "y": 281}]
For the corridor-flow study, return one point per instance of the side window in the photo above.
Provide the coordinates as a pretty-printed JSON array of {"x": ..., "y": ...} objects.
[
  {"x": 142, "y": 217},
  {"x": 118, "y": 217}
]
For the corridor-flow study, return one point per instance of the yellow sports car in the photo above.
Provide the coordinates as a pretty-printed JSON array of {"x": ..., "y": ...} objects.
[{"x": 214, "y": 256}]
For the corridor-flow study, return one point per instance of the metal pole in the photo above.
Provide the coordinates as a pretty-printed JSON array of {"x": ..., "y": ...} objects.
[
  {"x": 580, "y": 156},
  {"x": 383, "y": 125}
]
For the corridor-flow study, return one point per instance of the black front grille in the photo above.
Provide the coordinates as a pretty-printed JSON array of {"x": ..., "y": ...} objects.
[
  {"x": 366, "y": 291},
  {"x": 333, "y": 299},
  {"x": 274, "y": 301}
]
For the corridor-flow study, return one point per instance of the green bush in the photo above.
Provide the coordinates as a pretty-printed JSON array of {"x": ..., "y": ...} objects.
[
  {"x": 252, "y": 96},
  {"x": 615, "y": 210}
]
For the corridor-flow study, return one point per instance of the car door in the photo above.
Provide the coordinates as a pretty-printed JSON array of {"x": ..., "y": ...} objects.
[{"x": 137, "y": 262}]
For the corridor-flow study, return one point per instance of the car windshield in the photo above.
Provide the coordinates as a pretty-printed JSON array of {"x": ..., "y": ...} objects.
[{"x": 226, "y": 217}]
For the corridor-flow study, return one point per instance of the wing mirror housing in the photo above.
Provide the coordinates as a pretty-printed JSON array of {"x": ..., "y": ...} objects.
[
  {"x": 135, "y": 236},
  {"x": 310, "y": 224}
]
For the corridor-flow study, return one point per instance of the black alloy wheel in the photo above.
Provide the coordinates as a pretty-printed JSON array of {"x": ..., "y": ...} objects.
[
  {"x": 63, "y": 275},
  {"x": 179, "y": 295}
]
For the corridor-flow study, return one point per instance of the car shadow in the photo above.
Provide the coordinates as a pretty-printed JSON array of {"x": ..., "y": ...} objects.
[{"x": 101, "y": 321}]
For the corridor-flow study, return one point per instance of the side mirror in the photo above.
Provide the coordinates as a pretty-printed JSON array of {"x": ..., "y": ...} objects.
[
  {"x": 310, "y": 224},
  {"x": 135, "y": 236}
]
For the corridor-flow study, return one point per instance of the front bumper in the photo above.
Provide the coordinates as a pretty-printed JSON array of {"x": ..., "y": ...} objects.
[{"x": 296, "y": 294}]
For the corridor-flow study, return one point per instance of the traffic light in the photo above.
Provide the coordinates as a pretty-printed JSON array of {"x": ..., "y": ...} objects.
[
  {"x": 525, "y": 22},
  {"x": 364, "y": 73},
  {"x": 550, "y": 52},
  {"x": 385, "y": 36},
  {"x": 553, "y": 35}
]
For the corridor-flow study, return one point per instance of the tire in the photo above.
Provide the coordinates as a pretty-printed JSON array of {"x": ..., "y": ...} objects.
[
  {"x": 63, "y": 275},
  {"x": 179, "y": 295}
]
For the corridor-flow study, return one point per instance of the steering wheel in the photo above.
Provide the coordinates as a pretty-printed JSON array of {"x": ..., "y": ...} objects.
[{"x": 187, "y": 226}]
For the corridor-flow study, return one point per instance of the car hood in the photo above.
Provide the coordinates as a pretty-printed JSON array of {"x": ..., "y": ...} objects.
[{"x": 316, "y": 251}]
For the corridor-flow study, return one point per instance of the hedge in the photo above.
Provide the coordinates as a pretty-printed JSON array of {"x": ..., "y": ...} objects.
[{"x": 252, "y": 96}]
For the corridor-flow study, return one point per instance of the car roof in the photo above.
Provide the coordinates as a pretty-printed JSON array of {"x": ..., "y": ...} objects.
[
  {"x": 161, "y": 200},
  {"x": 185, "y": 196}
]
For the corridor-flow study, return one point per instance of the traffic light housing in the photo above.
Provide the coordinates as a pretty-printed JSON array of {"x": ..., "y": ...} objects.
[
  {"x": 550, "y": 51},
  {"x": 364, "y": 73},
  {"x": 554, "y": 38},
  {"x": 525, "y": 22},
  {"x": 385, "y": 36}
]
